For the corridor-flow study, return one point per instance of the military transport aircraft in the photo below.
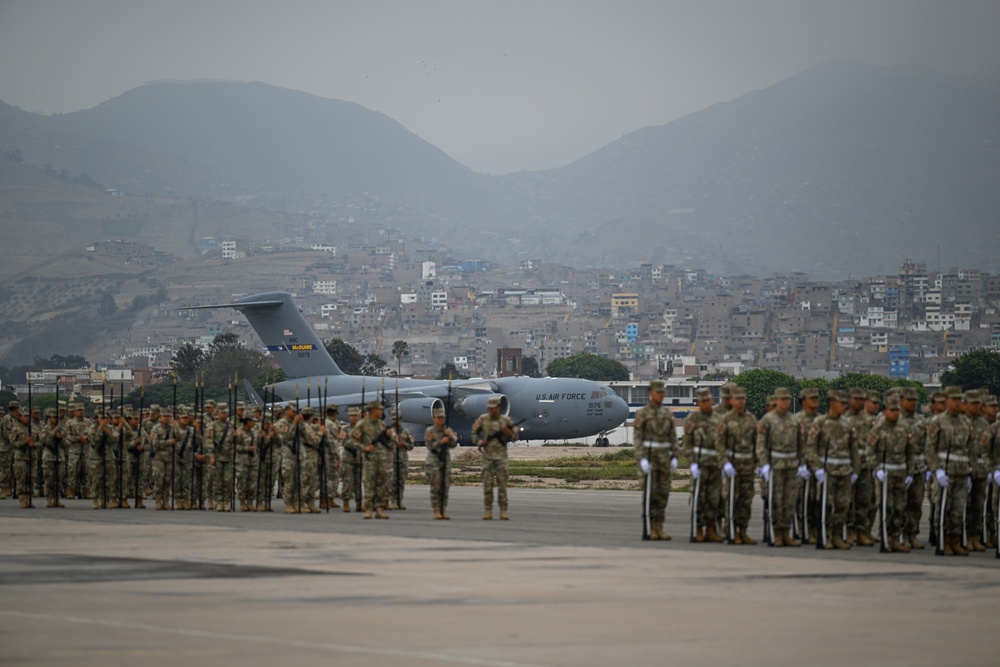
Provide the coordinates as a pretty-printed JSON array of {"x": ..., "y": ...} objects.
[{"x": 543, "y": 408}]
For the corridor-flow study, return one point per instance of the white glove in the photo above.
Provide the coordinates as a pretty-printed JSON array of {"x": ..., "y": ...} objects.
[
  {"x": 968, "y": 483},
  {"x": 821, "y": 475},
  {"x": 728, "y": 470},
  {"x": 854, "y": 478},
  {"x": 803, "y": 472},
  {"x": 908, "y": 480},
  {"x": 673, "y": 463},
  {"x": 880, "y": 474},
  {"x": 695, "y": 471},
  {"x": 996, "y": 476},
  {"x": 765, "y": 471},
  {"x": 942, "y": 477},
  {"x": 645, "y": 466},
  {"x": 928, "y": 475}
]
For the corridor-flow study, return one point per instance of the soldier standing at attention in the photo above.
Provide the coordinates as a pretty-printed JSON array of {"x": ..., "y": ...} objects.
[
  {"x": 53, "y": 453},
  {"x": 655, "y": 442},
  {"x": 350, "y": 460},
  {"x": 991, "y": 408},
  {"x": 948, "y": 453},
  {"x": 22, "y": 445},
  {"x": 310, "y": 440},
  {"x": 832, "y": 451},
  {"x": 246, "y": 463},
  {"x": 737, "y": 433},
  {"x": 858, "y": 531},
  {"x": 780, "y": 451},
  {"x": 805, "y": 418},
  {"x": 491, "y": 432},
  {"x": 438, "y": 438},
  {"x": 76, "y": 445},
  {"x": 915, "y": 492},
  {"x": 400, "y": 461},
  {"x": 980, "y": 471},
  {"x": 374, "y": 439},
  {"x": 334, "y": 441},
  {"x": 893, "y": 457},
  {"x": 699, "y": 446},
  {"x": 6, "y": 454},
  {"x": 220, "y": 451},
  {"x": 162, "y": 440}
]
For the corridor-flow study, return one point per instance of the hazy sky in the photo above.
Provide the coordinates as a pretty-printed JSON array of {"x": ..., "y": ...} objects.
[{"x": 500, "y": 86}]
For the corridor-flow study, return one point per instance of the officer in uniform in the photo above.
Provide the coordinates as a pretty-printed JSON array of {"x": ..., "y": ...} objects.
[
  {"x": 23, "y": 447},
  {"x": 351, "y": 463},
  {"x": 832, "y": 452},
  {"x": 400, "y": 462},
  {"x": 980, "y": 471},
  {"x": 491, "y": 432},
  {"x": 6, "y": 453},
  {"x": 246, "y": 464},
  {"x": 892, "y": 455},
  {"x": 948, "y": 453},
  {"x": 809, "y": 396},
  {"x": 781, "y": 453},
  {"x": 221, "y": 459},
  {"x": 916, "y": 490},
  {"x": 991, "y": 408},
  {"x": 438, "y": 439},
  {"x": 655, "y": 443},
  {"x": 135, "y": 448},
  {"x": 333, "y": 442},
  {"x": 310, "y": 440},
  {"x": 737, "y": 435},
  {"x": 699, "y": 447},
  {"x": 269, "y": 448},
  {"x": 53, "y": 454},
  {"x": 374, "y": 440}
]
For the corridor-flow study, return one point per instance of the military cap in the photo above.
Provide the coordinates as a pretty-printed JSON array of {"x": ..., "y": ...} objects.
[
  {"x": 737, "y": 392},
  {"x": 373, "y": 405},
  {"x": 292, "y": 407},
  {"x": 330, "y": 409},
  {"x": 808, "y": 392},
  {"x": 437, "y": 412},
  {"x": 210, "y": 403},
  {"x": 62, "y": 404},
  {"x": 782, "y": 392},
  {"x": 308, "y": 411},
  {"x": 990, "y": 400},
  {"x": 51, "y": 412},
  {"x": 972, "y": 396},
  {"x": 353, "y": 410},
  {"x": 493, "y": 402},
  {"x": 36, "y": 409},
  {"x": 892, "y": 391},
  {"x": 726, "y": 390},
  {"x": 953, "y": 392},
  {"x": 857, "y": 392},
  {"x": 154, "y": 408},
  {"x": 76, "y": 406},
  {"x": 114, "y": 412},
  {"x": 892, "y": 403},
  {"x": 656, "y": 385},
  {"x": 771, "y": 400},
  {"x": 703, "y": 394},
  {"x": 909, "y": 393},
  {"x": 873, "y": 396},
  {"x": 222, "y": 407},
  {"x": 240, "y": 405},
  {"x": 13, "y": 405},
  {"x": 836, "y": 395},
  {"x": 182, "y": 411},
  {"x": 938, "y": 395}
]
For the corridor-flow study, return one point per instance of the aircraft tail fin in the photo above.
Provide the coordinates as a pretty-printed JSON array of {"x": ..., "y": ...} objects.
[
  {"x": 287, "y": 335},
  {"x": 255, "y": 399}
]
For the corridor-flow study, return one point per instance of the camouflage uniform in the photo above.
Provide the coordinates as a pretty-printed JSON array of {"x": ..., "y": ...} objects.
[
  {"x": 220, "y": 448},
  {"x": 22, "y": 445},
  {"x": 246, "y": 467},
  {"x": 948, "y": 451},
  {"x": 438, "y": 476},
  {"x": 310, "y": 440},
  {"x": 991, "y": 443},
  {"x": 864, "y": 488},
  {"x": 334, "y": 442},
  {"x": 699, "y": 447},
  {"x": 372, "y": 433},
  {"x": 832, "y": 446},
  {"x": 289, "y": 434},
  {"x": 162, "y": 443},
  {"x": 737, "y": 435},
  {"x": 75, "y": 433},
  {"x": 980, "y": 472},
  {"x": 53, "y": 446},
  {"x": 99, "y": 462},
  {"x": 400, "y": 464},
  {"x": 805, "y": 419},
  {"x": 268, "y": 451},
  {"x": 891, "y": 449},
  {"x": 917, "y": 428},
  {"x": 654, "y": 437},
  {"x": 350, "y": 462},
  {"x": 6, "y": 453},
  {"x": 779, "y": 446},
  {"x": 487, "y": 432}
]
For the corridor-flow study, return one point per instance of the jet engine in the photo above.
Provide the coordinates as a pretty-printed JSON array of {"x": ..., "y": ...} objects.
[
  {"x": 418, "y": 410},
  {"x": 473, "y": 405}
]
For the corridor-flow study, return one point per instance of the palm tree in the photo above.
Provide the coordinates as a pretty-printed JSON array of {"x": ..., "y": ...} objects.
[{"x": 400, "y": 349}]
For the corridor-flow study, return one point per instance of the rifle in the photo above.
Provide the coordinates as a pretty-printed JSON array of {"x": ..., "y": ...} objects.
[
  {"x": 138, "y": 454},
  {"x": 732, "y": 497},
  {"x": 883, "y": 547},
  {"x": 298, "y": 459},
  {"x": 446, "y": 451},
  {"x": 647, "y": 493},
  {"x": 324, "y": 496},
  {"x": 59, "y": 490},
  {"x": 260, "y": 451},
  {"x": 694, "y": 496},
  {"x": 31, "y": 458},
  {"x": 232, "y": 417},
  {"x": 769, "y": 506},
  {"x": 193, "y": 473},
  {"x": 121, "y": 445},
  {"x": 821, "y": 542},
  {"x": 173, "y": 449},
  {"x": 270, "y": 456},
  {"x": 397, "y": 456},
  {"x": 104, "y": 451},
  {"x": 944, "y": 499},
  {"x": 201, "y": 444},
  {"x": 358, "y": 464}
]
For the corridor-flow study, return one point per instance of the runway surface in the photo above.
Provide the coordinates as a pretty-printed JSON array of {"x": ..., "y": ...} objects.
[{"x": 566, "y": 582}]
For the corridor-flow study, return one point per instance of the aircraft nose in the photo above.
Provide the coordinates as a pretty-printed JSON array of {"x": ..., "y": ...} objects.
[{"x": 619, "y": 410}]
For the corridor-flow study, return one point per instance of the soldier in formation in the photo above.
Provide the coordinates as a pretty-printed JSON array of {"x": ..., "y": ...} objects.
[
  {"x": 374, "y": 440},
  {"x": 491, "y": 432},
  {"x": 400, "y": 463},
  {"x": 832, "y": 454},
  {"x": 351, "y": 463},
  {"x": 439, "y": 439},
  {"x": 700, "y": 430},
  {"x": 737, "y": 436},
  {"x": 333, "y": 443},
  {"x": 655, "y": 443}
]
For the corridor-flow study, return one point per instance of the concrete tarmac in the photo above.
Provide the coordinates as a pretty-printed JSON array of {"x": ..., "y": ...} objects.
[{"x": 566, "y": 582}]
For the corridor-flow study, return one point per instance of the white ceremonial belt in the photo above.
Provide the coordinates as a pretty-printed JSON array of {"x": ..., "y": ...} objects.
[
  {"x": 838, "y": 462},
  {"x": 894, "y": 466},
  {"x": 784, "y": 455},
  {"x": 958, "y": 457},
  {"x": 742, "y": 456},
  {"x": 704, "y": 451},
  {"x": 654, "y": 444}
]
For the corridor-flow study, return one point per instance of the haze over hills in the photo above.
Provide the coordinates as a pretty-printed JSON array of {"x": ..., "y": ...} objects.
[{"x": 843, "y": 168}]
